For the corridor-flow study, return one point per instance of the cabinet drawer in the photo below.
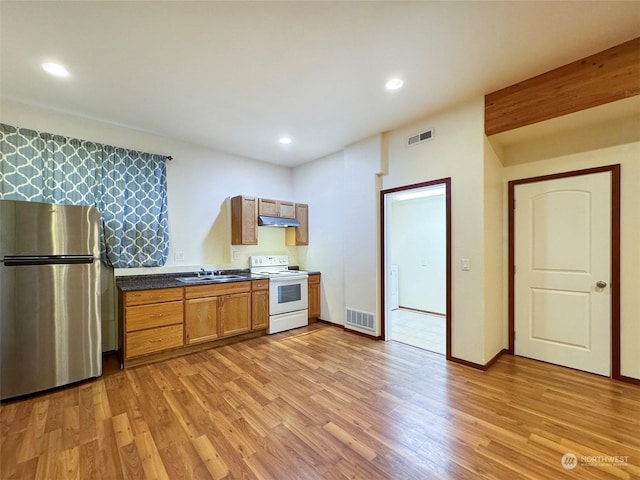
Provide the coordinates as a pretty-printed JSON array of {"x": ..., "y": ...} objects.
[
  {"x": 216, "y": 289},
  {"x": 153, "y": 340},
  {"x": 149, "y": 316},
  {"x": 158, "y": 295},
  {"x": 260, "y": 284},
  {"x": 314, "y": 279}
]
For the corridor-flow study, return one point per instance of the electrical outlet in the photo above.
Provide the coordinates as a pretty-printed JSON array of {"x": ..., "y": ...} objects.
[
  {"x": 465, "y": 263},
  {"x": 236, "y": 255},
  {"x": 178, "y": 256}
]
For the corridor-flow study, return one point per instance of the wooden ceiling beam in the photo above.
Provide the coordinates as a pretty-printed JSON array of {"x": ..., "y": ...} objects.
[{"x": 613, "y": 74}]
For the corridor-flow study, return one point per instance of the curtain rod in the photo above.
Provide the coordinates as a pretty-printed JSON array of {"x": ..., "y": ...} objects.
[{"x": 169, "y": 157}]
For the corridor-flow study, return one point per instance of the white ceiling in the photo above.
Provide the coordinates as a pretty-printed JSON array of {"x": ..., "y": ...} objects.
[{"x": 235, "y": 76}]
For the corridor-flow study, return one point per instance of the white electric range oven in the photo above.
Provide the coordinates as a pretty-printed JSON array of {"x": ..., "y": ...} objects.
[{"x": 288, "y": 292}]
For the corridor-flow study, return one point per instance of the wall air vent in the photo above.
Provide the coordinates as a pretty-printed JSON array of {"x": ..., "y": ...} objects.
[
  {"x": 420, "y": 137},
  {"x": 360, "y": 319}
]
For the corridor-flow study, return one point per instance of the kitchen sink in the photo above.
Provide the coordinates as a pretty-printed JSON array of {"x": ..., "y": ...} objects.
[{"x": 208, "y": 278}]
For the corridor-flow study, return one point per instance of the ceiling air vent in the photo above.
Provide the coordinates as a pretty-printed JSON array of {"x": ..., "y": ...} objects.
[{"x": 420, "y": 137}]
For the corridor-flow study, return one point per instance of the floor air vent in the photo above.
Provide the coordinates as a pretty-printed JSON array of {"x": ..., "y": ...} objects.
[
  {"x": 420, "y": 137},
  {"x": 360, "y": 319}
]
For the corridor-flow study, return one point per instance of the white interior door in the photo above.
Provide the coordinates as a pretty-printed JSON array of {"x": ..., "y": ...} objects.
[{"x": 563, "y": 269}]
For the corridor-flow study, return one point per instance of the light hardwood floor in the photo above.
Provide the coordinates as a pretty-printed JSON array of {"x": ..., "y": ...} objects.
[{"x": 319, "y": 403}]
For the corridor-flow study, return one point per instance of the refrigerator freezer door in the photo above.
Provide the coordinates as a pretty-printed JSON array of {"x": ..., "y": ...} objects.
[
  {"x": 31, "y": 228},
  {"x": 49, "y": 326}
]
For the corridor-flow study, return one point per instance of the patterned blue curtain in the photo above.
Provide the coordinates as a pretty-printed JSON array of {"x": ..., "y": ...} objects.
[
  {"x": 128, "y": 187},
  {"x": 40, "y": 167},
  {"x": 133, "y": 200}
]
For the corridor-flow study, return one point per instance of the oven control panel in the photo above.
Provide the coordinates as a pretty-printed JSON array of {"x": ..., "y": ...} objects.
[{"x": 269, "y": 261}]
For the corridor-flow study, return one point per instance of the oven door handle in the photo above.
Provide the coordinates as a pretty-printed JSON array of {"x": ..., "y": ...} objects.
[{"x": 289, "y": 280}]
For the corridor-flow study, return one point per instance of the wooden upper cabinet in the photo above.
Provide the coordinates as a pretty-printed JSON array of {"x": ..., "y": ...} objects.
[
  {"x": 276, "y": 208},
  {"x": 286, "y": 210},
  {"x": 267, "y": 207},
  {"x": 244, "y": 221},
  {"x": 299, "y": 235}
]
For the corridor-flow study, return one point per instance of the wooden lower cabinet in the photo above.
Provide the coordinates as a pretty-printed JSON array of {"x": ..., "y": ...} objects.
[
  {"x": 259, "y": 304},
  {"x": 201, "y": 320},
  {"x": 217, "y": 310},
  {"x": 159, "y": 320},
  {"x": 152, "y": 321},
  {"x": 153, "y": 340},
  {"x": 235, "y": 314},
  {"x": 314, "y": 296}
]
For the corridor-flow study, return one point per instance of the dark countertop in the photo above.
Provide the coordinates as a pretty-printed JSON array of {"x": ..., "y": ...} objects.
[
  {"x": 168, "y": 280},
  {"x": 131, "y": 283}
]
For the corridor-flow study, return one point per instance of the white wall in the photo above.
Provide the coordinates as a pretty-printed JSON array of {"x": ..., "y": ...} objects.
[
  {"x": 320, "y": 184},
  {"x": 456, "y": 151},
  {"x": 417, "y": 245},
  {"x": 628, "y": 156},
  {"x": 342, "y": 192},
  {"x": 495, "y": 244},
  {"x": 198, "y": 182},
  {"x": 362, "y": 165}
]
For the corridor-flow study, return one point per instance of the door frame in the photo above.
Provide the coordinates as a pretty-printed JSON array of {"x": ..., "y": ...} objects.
[
  {"x": 615, "y": 255},
  {"x": 383, "y": 253}
]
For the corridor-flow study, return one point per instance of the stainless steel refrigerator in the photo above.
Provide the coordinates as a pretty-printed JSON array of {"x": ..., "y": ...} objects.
[{"x": 49, "y": 296}]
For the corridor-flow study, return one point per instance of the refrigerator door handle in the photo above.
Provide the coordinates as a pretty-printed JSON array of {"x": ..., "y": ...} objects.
[{"x": 18, "y": 260}]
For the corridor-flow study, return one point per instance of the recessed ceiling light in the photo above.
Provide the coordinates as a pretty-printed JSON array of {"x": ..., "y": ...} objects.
[
  {"x": 55, "y": 69},
  {"x": 285, "y": 140},
  {"x": 394, "y": 84}
]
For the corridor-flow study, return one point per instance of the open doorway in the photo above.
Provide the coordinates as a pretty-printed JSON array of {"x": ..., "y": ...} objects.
[{"x": 416, "y": 237}]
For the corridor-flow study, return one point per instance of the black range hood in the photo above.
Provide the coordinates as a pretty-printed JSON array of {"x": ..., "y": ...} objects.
[{"x": 265, "y": 221}]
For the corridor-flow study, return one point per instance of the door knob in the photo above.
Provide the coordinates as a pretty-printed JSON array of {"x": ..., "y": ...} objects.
[{"x": 601, "y": 284}]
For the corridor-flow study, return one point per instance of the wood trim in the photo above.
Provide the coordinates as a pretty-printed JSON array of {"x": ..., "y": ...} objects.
[
  {"x": 604, "y": 77},
  {"x": 615, "y": 255},
  {"x": 426, "y": 312},
  {"x": 635, "y": 381},
  {"x": 362, "y": 334},
  {"x": 449, "y": 301},
  {"x": 511, "y": 268},
  {"x": 449, "y": 267},
  {"x": 327, "y": 322},
  {"x": 615, "y": 273},
  {"x": 466, "y": 363},
  {"x": 495, "y": 358},
  {"x": 343, "y": 327},
  {"x": 479, "y": 366}
]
